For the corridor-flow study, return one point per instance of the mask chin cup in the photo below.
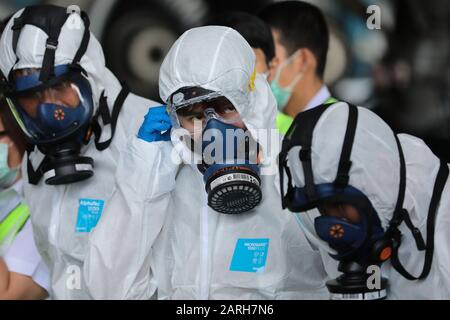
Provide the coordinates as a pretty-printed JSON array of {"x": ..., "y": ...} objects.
[
  {"x": 66, "y": 166},
  {"x": 233, "y": 189}
]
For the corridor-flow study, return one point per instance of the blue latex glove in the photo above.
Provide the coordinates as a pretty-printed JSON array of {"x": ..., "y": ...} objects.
[{"x": 156, "y": 126}]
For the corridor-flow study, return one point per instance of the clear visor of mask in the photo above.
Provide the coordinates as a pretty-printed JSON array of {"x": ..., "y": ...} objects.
[
  {"x": 193, "y": 115},
  {"x": 65, "y": 94},
  {"x": 51, "y": 112}
]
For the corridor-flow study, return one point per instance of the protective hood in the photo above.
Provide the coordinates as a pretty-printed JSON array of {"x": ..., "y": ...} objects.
[
  {"x": 375, "y": 171},
  {"x": 31, "y": 48},
  {"x": 219, "y": 59}
]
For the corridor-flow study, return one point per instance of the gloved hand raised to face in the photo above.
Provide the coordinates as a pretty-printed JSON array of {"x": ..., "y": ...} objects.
[{"x": 156, "y": 126}]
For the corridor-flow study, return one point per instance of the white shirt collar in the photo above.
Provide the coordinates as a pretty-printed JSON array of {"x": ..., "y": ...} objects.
[
  {"x": 18, "y": 186},
  {"x": 321, "y": 96}
]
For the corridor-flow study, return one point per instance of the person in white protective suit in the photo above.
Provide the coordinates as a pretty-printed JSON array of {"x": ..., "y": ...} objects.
[
  {"x": 255, "y": 251},
  {"x": 382, "y": 200},
  {"x": 77, "y": 118}
]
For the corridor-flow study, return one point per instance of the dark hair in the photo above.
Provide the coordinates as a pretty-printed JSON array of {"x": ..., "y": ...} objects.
[
  {"x": 12, "y": 129},
  {"x": 251, "y": 27},
  {"x": 301, "y": 25}
]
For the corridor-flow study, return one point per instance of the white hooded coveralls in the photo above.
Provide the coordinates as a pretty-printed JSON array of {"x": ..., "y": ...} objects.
[
  {"x": 375, "y": 171},
  {"x": 55, "y": 209},
  {"x": 192, "y": 257}
]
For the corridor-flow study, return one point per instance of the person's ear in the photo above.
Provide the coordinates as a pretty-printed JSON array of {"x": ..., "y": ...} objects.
[
  {"x": 274, "y": 62},
  {"x": 261, "y": 64},
  {"x": 273, "y": 67},
  {"x": 305, "y": 61},
  {"x": 301, "y": 60}
]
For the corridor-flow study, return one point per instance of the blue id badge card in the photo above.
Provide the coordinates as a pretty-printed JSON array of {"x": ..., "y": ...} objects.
[
  {"x": 250, "y": 255},
  {"x": 89, "y": 212}
]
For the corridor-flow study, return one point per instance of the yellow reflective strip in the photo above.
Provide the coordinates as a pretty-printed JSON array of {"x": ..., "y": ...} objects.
[
  {"x": 284, "y": 122},
  {"x": 17, "y": 117},
  {"x": 331, "y": 100},
  {"x": 13, "y": 223},
  {"x": 251, "y": 83}
]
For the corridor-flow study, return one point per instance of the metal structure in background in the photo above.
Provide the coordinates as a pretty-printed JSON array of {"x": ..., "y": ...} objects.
[
  {"x": 412, "y": 82},
  {"x": 136, "y": 35},
  {"x": 401, "y": 71}
]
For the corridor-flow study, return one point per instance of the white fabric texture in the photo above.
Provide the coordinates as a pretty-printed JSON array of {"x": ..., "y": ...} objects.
[
  {"x": 23, "y": 257},
  {"x": 54, "y": 209},
  {"x": 31, "y": 49},
  {"x": 191, "y": 256},
  {"x": 376, "y": 172}
]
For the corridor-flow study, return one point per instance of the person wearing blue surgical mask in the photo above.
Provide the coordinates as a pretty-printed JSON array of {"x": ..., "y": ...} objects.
[{"x": 301, "y": 40}]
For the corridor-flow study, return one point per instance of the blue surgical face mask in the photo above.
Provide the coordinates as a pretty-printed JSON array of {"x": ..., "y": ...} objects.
[
  {"x": 283, "y": 94},
  {"x": 7, "y": 175}
]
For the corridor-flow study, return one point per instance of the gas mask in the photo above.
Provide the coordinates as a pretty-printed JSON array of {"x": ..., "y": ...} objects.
[
  {"x": 54, "y": 106},
  {"x": 229, "y": 153},
  {"x": 353, "y": 237}
]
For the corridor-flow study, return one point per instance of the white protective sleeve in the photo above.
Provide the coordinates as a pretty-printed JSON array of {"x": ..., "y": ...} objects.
[{"x": 119, "y": 260}]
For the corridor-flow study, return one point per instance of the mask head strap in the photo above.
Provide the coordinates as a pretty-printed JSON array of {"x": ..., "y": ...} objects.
[
  {"x": 345, "y": 163},
  {"x": 107, "y": 117},
  {"x": 84, "y": 41},
  {"x": 49, "y": 19},
  {"x": 300, "y": 134},
  {"x": 34, "y": 176},
  {"x": 401, "y": 215}
]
